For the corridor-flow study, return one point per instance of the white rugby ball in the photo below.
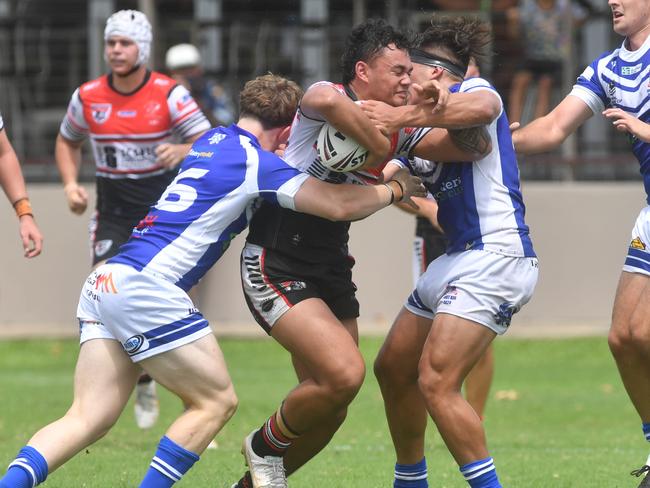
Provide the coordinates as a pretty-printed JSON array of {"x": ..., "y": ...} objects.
[{"x": 339, "y": 152}]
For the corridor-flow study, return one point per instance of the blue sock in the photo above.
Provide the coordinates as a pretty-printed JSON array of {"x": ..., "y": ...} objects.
[
  {"x": 481, "y": 474},
  {"x": 411, "y": 475},
  {"x": 27, "y": 470},
  {"x": 646, "y": 431},
  {"x": 169, "y": 464}
]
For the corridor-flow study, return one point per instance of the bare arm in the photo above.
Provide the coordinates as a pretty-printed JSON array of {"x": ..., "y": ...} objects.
[
  {"x": 322, "y": 101},
  {"x": 548, "y": 132},
  {"x": 353, "y": 202},
  {"x": 454, "y": 145},
  {"x": 68, "y": 159},
  {"x": 13, "y": 184},
  {"x": 461, "y": 110}
]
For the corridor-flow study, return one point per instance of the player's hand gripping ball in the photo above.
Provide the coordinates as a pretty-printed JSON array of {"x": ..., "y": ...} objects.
[{"x": 339, "y": 152}]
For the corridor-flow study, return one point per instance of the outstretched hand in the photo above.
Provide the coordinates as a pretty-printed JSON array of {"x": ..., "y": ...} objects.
[
  {"x": 432, "y": 91},
  {"x": 625, "y": 122},
  {"x": 411, "y": 187}
]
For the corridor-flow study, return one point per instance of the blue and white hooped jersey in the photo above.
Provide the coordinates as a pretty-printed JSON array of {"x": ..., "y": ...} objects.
[
  {"x": 480, "y": 205},
  {"x": 210, "y": 201},
  {"x": 620, "y": 79}
]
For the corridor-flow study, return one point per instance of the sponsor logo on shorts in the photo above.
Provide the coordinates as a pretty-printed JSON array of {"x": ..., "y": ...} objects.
[
  {"x": 103, "y": 246},
  {"x": 127, "y": 114},
  {"x": 450, "y": 295},
  {"x": 288, "y": 286},
  {"x": 637, "y": 243},
  {"x": 100, "y": 112},
  {"x": 104, "y": 283},
  {"x": 135, "y": 344},
  {"x": 504, "y": 315}
]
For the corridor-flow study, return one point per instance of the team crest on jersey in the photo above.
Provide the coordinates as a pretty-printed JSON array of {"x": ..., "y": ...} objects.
[
  {"x": 100, "y": 112},
  {"x": 637, "y": 243},
  {"x": 216, "y": 138},
  {"x": 611, "y": 94}
]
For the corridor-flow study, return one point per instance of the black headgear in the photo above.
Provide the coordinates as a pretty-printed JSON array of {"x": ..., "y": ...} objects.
[{"x": 422, "y": 57}]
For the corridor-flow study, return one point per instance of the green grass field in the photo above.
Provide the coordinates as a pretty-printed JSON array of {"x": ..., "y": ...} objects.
[{"x": 570, "y": 424}]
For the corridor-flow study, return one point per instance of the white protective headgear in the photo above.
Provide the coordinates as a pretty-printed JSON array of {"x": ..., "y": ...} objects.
[
  {"x": 134, "y": 25},
  {"x": 182, "y": 56}
]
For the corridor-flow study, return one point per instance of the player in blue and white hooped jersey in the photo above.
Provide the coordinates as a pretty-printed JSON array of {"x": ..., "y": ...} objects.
[
  {"x": 616, "y": 85},
  {"x": 134, "y": 312},
  {"x": 467, "y": 296}
]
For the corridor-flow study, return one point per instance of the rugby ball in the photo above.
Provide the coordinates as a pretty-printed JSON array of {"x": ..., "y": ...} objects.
[{"x": 339, "y": 152}]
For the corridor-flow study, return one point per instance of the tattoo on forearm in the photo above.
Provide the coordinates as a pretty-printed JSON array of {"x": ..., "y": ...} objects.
[{"x": 473, "y": 139}]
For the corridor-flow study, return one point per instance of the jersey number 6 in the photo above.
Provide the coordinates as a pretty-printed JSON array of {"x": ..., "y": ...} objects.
[{"x": 179, "y": 196}]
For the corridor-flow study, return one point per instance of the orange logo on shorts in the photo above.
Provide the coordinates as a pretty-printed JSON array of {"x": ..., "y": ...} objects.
[
  {"x": 105, "y": 283},
  {"x": 637, "y": 244}
]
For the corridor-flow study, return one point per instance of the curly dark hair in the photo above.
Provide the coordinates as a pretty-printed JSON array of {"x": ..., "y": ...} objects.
[
  {"x": 458, "y": 37},
  {"x": 271, "y": 99},
  {"x": 367, "y": 41}
]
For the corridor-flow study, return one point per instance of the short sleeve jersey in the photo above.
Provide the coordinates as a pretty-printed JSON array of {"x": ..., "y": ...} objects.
[
  {"x": 620, "y": 79},
  {"x": 210, "y": 201},
  {"x": 480, "y": 205},
  {"x": 125, "y": 129}
]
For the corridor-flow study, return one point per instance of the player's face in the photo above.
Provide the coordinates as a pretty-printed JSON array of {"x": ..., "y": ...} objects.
[
  {"x": 420, "y": 74},
  {"x": 121, "y": 53},
  {"x": 629, "y": 16},
  {"x": 389, "y": 76}
]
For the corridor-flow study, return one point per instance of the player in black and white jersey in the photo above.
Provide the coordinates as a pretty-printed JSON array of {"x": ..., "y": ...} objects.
[{"x": 308, "y": 301}]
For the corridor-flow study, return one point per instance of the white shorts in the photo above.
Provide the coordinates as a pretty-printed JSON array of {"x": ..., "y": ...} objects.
[
  {"x": 480, "y": 286},
  {"x": 638, "y": 254},
  {"x": 147, "y": 314}
]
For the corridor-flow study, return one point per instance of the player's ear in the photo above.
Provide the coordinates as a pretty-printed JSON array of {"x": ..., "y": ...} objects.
[
  {"x": 361, "y": 71},
  {"x": 283, "y": 135}
]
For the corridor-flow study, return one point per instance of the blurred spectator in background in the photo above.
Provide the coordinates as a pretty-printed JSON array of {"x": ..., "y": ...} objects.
[
  {"x": 13, "y": 184},
  {"x": 543, "y": 29},
  {"x": 184, "y": 64}
]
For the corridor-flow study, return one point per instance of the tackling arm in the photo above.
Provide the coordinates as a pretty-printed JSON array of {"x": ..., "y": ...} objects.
[
  {"x": 347, "y": 202},
  {"x": 548, "y": 132},
  {"x": 341, "y": 112}
]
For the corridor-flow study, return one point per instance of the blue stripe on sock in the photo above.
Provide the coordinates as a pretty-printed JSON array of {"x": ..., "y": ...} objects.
[
  {"x": 481, "y": 474},
  {"x": 168, "y": 465},
  {"x": 411, "y": 475},
  {"x": 26, "y": 471}
]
